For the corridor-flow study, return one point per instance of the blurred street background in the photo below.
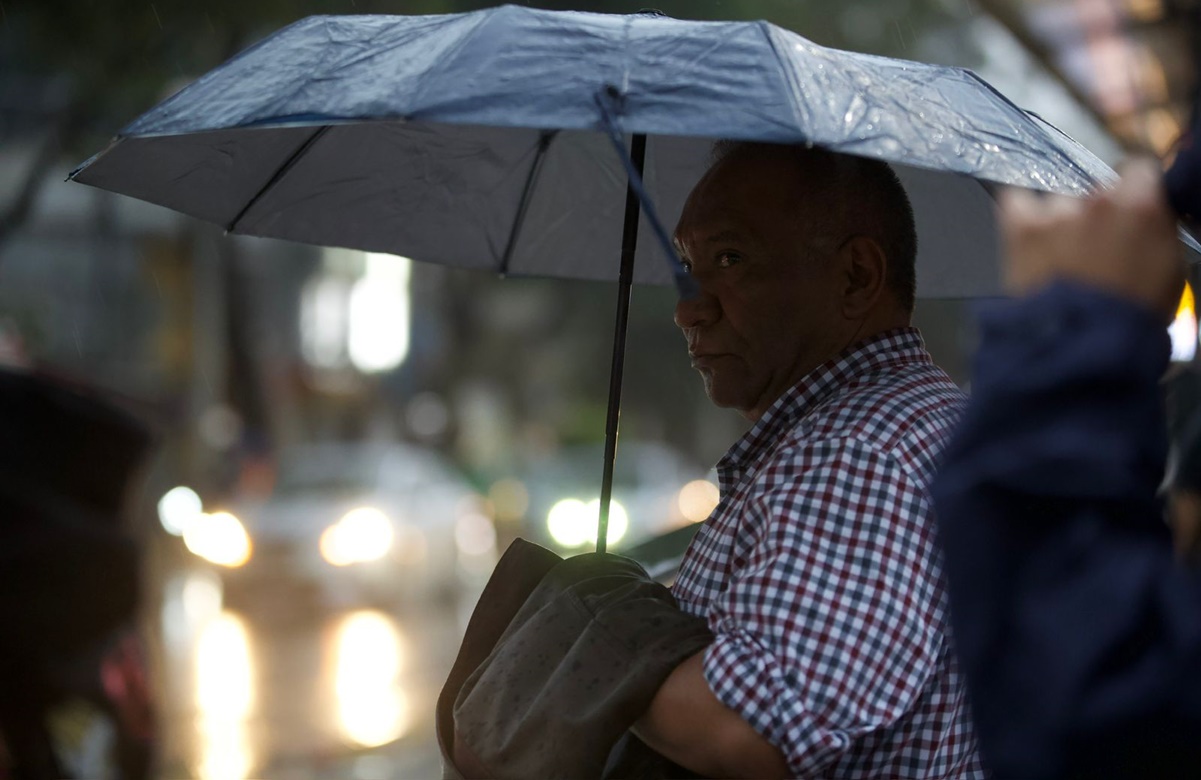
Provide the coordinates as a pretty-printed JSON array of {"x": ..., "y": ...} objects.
[{"x": 362, "y": 434}]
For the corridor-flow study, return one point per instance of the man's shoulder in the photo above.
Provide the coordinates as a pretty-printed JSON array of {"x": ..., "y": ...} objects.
[{"x": 904, "y": 412}]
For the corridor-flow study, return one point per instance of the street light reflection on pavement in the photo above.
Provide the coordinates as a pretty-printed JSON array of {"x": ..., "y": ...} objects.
[
  {"x": 373, "y": 709},
  {"x": 225, "y": 697}
]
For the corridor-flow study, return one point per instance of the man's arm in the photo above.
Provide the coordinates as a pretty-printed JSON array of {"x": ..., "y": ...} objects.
[
  {"x": 809, "y": 653},
  {"x": 1079, "y": 635},
  {"x": 688, "y": 724}
]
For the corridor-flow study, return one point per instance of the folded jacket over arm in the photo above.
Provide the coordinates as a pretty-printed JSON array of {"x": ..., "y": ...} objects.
[{"x": 560, "y": 658}]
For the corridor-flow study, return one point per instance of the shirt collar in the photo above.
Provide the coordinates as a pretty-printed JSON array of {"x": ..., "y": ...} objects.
[{"x": 899, "y": 345}]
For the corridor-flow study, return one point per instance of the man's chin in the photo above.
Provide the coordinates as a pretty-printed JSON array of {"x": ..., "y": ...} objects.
[
  {"x": 739, "y": 396},
  {"x": 723, "y": 397}
]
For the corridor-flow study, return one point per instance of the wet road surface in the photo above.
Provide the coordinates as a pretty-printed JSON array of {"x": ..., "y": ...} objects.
[{"x": 275, "y": 690}]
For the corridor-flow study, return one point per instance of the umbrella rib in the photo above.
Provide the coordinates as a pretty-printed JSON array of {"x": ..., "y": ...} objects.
[
  {"x": 527, "y": 194},
  {"x": 605, "y": 100},
  {"x": 1063, "y": 156},
  {"x": 790, "y": 78},
  {"x": 280, "y": 172}
]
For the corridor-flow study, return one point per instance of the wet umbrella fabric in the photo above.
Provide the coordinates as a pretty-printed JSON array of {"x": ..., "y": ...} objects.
[
  {"x": 418, "y": 135},
  {"x": 483, "y": 140}
]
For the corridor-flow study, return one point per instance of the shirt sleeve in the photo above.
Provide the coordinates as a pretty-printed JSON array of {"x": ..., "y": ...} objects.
[
  {"x": 833, "y": 625},
  {"x": 1078, "y": 633}
]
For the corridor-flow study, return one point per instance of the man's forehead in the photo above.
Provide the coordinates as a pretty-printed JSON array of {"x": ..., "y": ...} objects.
[
  {"x": 705, "y": 223},
  {"x": 736, "y": 186},
  {"x": 712, "y": 207},
  {"x": 708, "y": 234}
]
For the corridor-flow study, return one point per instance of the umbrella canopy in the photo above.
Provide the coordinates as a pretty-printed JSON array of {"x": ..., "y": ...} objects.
[
  {"x": 494, "y": 140},
  {"x": 470, "y": 139}
]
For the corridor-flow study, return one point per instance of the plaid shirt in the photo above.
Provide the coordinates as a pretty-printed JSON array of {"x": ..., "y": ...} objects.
[{"x": 819, "y": 576}]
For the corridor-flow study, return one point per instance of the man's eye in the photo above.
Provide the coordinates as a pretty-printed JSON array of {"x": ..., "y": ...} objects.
[{"x": 727, "y": 259}]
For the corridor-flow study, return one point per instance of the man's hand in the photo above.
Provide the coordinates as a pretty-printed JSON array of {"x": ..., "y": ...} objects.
[
  {"x": 1122, "y": 240},
  {"x": 688, "y": 724}
]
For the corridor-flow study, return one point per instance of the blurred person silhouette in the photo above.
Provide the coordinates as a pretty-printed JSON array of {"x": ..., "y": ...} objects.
[
  {"x": 69, "y": 575},
  {"x": 1077, "y": 623}
]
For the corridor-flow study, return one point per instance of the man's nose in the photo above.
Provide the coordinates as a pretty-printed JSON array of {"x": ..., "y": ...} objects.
[{"x": 700, "y": 310}]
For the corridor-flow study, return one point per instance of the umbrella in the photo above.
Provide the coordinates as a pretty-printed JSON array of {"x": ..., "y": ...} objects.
[{"x": 497, "y": 140}]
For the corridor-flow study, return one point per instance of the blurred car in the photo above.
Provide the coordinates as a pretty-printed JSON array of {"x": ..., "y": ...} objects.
[
  {"x": 655, "y": 490},
  {"x": 348, "y": 525}
]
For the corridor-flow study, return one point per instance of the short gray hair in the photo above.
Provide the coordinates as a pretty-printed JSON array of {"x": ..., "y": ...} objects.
[{"x": 866, "y": 193}]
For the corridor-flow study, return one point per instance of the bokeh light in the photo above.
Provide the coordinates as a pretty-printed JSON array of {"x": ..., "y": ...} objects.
[
  {"x": 225, "y": 698},
  {"x": 178, "y": 507},
  {"x": 363, "y": 534},
  {"x": 218, "y": 538},
  {"x": 373, "y": 709},
  {"x": 572, "y": 523},
  {"x": 697, "y": 500},
  {"x": 1183, "y": 329}
]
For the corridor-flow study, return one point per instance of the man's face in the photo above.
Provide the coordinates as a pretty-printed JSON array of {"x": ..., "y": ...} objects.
[{"x": 769, "y": 308}]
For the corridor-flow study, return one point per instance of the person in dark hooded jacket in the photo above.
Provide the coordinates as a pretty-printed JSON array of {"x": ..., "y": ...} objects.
[
  {"x": 1076, "y": 622},
  {"x": 69, "y": 574}
]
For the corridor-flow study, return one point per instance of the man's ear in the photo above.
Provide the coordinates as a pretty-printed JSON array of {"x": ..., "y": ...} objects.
[{"x": 866, "y": 269}]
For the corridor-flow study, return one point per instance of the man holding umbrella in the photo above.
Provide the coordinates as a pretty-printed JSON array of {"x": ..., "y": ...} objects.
[{"x": 817, "y": 574}]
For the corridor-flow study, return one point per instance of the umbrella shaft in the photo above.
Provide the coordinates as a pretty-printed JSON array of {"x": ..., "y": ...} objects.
[{"x": 625, "y": 282}]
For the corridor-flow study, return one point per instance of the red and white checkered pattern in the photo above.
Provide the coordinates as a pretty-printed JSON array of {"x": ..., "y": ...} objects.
[{"x": 819, "y": 575}]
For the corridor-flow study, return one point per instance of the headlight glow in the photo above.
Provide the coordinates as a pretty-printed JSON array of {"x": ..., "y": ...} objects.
[
  {"x": 219, "y": 538},
  {"x": 373, "y": 708},
  {"x": 178, "y": 507},
  {"x": 363, "y": 534},
  {"x": 226, "y": 680},
  {"x": 572, "y": 523}
]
